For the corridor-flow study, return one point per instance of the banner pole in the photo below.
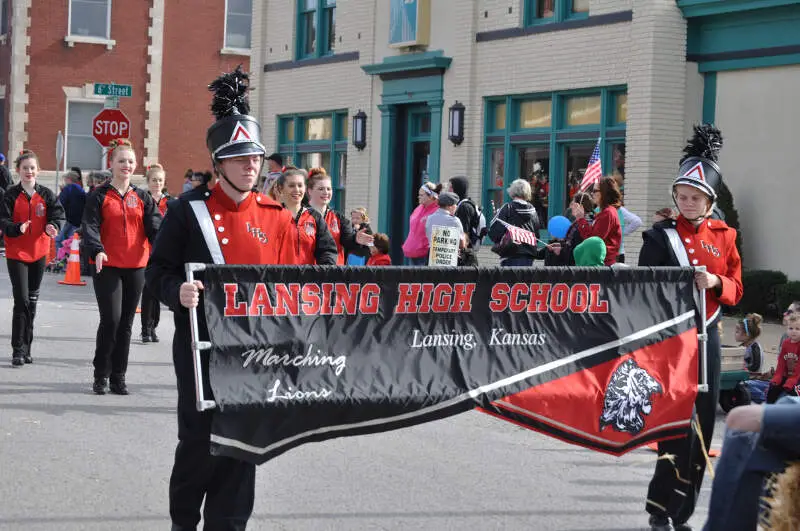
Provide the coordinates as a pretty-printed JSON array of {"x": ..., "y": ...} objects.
[
  {"x": 703, "y": 339},
  {"x": 197, "y": 346}
]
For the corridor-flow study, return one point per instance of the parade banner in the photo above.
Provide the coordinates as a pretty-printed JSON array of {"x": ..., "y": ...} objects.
[{"x": 600, "y": 357}]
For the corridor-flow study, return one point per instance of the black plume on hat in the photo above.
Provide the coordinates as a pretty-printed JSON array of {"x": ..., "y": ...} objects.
[
  {"x": 230, "y": 94},
  {"x": 706, "y": 142},
  {"x": 699, "y": 167},
  {"x": 235, "y": 133}
]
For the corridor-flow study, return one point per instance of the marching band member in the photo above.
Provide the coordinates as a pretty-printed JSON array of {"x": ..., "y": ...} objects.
[
  {"x": 119, "y": 222},
  {"x": 30, "y": 217},
  {"x": 151, "y": 308},
  {"x": 315, "y": 245},
  {"x": 693, "y": 239},
  {"x": 228, "y": 224},
  {"x": 320, "y": 193}
]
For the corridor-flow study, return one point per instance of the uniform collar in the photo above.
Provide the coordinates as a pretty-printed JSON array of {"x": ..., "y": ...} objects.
[
  {"x": 686, "y": 225},
  {"x": 227, "y": 203}
]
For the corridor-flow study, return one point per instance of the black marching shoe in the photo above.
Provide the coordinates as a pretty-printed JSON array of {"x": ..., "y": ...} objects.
[
  {"x": 17, "y": 360},
  {"x": 153, "y": 336},
  {"x": 146, "y": 337},
  {"x": 660, "y": 523},
  {"x": 682, "y": 527},
  {"x": 99, "y": 386},
  {"x": 117, "y": 386},
  {"x": 26, "y": 357}
]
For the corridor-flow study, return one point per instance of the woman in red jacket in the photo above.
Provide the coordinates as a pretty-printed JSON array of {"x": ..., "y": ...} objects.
[
  {"x": 315, "y": 245},
  {"x": 320, "y": 193},
  {"x": 151, "y": 308},
  {"x": 119, "y": 223},
  {"x": 30, "y": 217},
  {"x": 606, "y": 224}
]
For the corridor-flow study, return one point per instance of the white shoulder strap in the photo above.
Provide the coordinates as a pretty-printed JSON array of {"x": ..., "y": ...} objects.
[
  {"x": 677, "y": 246},
  {"x": 207, "y": 228}
]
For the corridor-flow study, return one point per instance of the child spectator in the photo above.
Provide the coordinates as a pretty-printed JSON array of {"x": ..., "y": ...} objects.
[
  {"x": 793, "y": 309},
  {"x": 746, "y": 333},
  {"x": 788, "y": 370},
  {"x": 591, "y": 252},
  {"x": 360, "y": 220},
  {"x": 379, "y": 251}
]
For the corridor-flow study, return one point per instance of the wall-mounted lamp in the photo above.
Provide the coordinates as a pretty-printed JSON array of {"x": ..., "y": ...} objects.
[
  {"x": 456, "y": 129},
  {"x": 360, "y": 130}
]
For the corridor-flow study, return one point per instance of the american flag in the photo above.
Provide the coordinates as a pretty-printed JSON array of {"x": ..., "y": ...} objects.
[
  {"x": 519, "y": 235},
  {"x": 594, "y": 170}
]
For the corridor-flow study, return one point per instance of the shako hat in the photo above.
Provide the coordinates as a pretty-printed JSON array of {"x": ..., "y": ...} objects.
[
  {"x": 699, "y": 166},
  {"x": 235, "y": 133}
]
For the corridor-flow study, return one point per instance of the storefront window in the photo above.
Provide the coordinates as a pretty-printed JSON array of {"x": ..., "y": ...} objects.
[
  {"x": 500, "y": 117},
  {"x": 535, "y": 114},
  {"x": 545, "y": 8},
  {"x": 620, "y": 108},
  {"x": 342, "y": 184},
  {"x": 318, "y": 128},
  {"x": 576, "y": 158},
  {"x": 583, "y": 110},
  {"x": 497, "y": 179},
  {"x": 534, "y": 167},
  {"x": 580, "y": 6},
  {"x": 315, "y": 160}
]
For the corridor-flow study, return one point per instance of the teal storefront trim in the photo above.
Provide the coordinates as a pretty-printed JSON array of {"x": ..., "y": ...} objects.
[
  {"x": 408, "y": 79},
  {"x": 703, "y": 8},
  {"x": 709, "y": 97}
]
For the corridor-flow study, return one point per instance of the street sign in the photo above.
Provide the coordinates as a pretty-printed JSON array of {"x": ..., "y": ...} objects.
[
  {"x": 110, "y": 124},
  {"x": 112, "y": 89},
  {"x": 59, "y": 149}
]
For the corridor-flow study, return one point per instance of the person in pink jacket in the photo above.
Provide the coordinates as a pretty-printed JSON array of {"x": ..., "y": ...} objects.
[{"x": 416, "y": 246}]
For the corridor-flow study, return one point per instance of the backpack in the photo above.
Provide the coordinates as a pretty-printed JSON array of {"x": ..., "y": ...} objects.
[{"x": 477, "y": 227}]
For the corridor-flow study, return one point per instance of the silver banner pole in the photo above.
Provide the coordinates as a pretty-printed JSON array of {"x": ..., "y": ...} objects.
[
  {"x": 702, "y": 338},
  {"x": 197, "y": 346}
]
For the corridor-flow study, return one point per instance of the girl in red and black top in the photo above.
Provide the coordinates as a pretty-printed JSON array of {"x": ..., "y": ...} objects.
[
  {"x": 315, "y": 245},
  {"x": 606, "y": 225},
  {"x": 151, "y": 308},
  {"x": 320, "y": 193},
  {"x": 119, "y": 223},
  {"x": 30, "y": 217}
]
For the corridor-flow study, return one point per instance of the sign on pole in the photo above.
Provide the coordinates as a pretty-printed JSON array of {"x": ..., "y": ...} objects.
[
  {"x": 59, "y": 149},
  {"x": 444, "y": 246},
  {"x": 112, "y": 89},
  {"x": 110, "y": 124}
]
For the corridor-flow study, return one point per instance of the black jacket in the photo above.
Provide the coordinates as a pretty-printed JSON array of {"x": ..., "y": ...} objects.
[
  {"x": 5, "y": 178},
  {"x": 656, "y": 250},
  {"x": 519, "y": 214},
  {"x": 568, "y": 244},
  {"x": 362, "y": 250}
]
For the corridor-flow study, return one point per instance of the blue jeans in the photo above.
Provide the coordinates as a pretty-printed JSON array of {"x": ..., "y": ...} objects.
[
  {"x": 747, "y": 458},
  {"x": 66, "y": 232},
  {"x": 421, "y": 261}
]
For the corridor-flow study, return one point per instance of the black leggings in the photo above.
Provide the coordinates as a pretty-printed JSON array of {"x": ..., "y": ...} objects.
[
  {"x": 117, "y": 291},
  {"x": 25, "y": 281},
  {"x": 151, "y": 312}
]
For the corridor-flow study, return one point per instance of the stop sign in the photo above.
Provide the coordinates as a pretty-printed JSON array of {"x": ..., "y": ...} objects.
[{"x": 110, "y": 124}]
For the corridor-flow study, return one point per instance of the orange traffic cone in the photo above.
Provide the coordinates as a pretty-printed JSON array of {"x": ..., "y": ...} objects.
[{"x": 73, "y": 275}]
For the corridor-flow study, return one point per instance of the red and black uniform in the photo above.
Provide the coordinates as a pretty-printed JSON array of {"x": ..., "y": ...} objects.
[
  {"x": 151, "y": 308},
  {"x": 256, "y": 231},
  {"x": 315, "y": 244},
  {"x": 711, "y": 244},
  {"x": 606, "y": 226},
  {"x": 343, "y": 234},
  {"x": 121, "y": 225},
  {"x": 26, "y": 255}
]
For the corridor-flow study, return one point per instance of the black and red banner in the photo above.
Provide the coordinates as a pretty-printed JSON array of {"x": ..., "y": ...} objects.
[{"x": 600, "y": 357}]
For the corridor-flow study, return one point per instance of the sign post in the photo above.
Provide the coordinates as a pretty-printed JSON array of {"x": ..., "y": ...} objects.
[{"x": 110, "y": 124}]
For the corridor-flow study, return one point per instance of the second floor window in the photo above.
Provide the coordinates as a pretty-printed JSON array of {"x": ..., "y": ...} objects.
[
  {"x": 544, "y": 11},
  {"x": 316, "y": 28},
  {"x": 3, "y": 17},
  {"x": 238, "y": 15},
  {"x": 90, "y": 18}
]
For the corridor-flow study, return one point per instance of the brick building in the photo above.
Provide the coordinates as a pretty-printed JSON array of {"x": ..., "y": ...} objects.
[
  {"x": 52, "y": 52},
  {"x": 541, "y": 81}
]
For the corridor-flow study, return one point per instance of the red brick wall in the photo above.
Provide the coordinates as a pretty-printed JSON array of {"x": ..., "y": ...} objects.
[
  {"x": 53, "y": 65},
  {"x": 193, "y": 38}
]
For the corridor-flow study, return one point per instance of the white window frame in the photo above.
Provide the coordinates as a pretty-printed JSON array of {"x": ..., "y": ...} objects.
[
  {"x": 229, "y": 50},
  {"x": 70, "y": 39},
  {"x": 84, "y": 94}
]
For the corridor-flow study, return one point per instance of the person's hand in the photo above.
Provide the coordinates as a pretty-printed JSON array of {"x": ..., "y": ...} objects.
[
  {"x": 362, "y": 238},
  {"x": 190, "y": 294},
  {"x": 99, "y": 260},
  {"x": 24, "y": 227},
  {"x": 705, "y": 280},
  {"x": 555, "y": 247},
  {"x": 51, "y": 231},
  {"x": 577, "y": 210}
]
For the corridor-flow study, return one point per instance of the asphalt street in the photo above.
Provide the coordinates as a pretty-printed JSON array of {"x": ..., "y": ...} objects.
[{"x": 70, "y": 460}]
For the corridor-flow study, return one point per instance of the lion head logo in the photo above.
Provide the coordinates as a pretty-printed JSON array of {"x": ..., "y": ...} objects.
[{"x": 627, "y": 398}]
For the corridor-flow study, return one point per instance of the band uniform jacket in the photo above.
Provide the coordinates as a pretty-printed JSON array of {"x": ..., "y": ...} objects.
[
  {"x": 315, "y": 245},
  {"x": 121, "y": 225},
  {"x": 712, "y": 244},
  {"x": 257, "y": 231},
  {"x": 41, "y": 209}
]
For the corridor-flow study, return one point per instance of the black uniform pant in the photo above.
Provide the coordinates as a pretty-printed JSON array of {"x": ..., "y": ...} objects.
[
  {"x": 151, "y": 311},
  {"x": 26, "y": 278},
  {"x": 675, "y": 486},
  {"x": 117, "y": 291}
]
